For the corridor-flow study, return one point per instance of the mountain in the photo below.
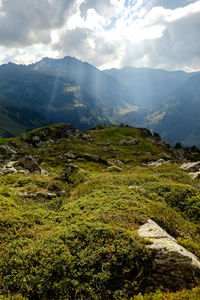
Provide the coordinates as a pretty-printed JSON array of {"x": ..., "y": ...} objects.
[
  {"x": 56, "y": 99},
  {"x": 69, "y": 90},
  {"x": 102, "y": 87},
  {"x": 178, "y": 118},
  {"x": 149, "y": 86},
  {"x": 105, "y": 213},
  {"x": 16, "y": 119}
]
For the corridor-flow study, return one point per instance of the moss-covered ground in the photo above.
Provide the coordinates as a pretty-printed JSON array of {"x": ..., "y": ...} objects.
[{"x": 83, "y": 243}]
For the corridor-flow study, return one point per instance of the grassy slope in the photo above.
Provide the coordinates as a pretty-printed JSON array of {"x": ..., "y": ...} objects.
[
  {"x": 17, "y": 119},
  {"x": 84, "y": 243}
]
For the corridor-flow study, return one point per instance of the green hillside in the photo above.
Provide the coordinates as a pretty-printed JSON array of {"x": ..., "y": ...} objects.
[
  {"x": 17, "y": 119},
  {"x": 69, "y": 224},
  {"x": 56, "y": 99}
]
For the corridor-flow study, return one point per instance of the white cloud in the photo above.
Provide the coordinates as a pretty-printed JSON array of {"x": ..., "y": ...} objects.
[{"x": 107, "y": 33}]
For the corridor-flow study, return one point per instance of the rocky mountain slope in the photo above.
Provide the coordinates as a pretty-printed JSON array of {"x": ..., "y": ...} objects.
[
  {"x": 102, "y": 87},
  {"x": 69, "y": 90},
  {"x": 105, "y": 213},
  {"x": 149, "y": 87},
  {"x": 56, "y": 99},
  {"x": 177, "y": 118}
]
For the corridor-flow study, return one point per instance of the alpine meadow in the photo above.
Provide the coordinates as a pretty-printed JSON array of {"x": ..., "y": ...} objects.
[{"x": 99, "y": 150}]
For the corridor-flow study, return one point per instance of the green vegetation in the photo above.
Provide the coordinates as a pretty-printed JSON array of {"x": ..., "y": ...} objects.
[{"x": 82, "y": 243}]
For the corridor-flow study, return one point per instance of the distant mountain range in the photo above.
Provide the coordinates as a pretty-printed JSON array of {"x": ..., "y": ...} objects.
[
  {"x": 149, "y": 86},
  {"x": 69, "y": 90},
  {"x": 178, "y": 116}
]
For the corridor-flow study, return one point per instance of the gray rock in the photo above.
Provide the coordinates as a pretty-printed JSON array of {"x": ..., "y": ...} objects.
[
  {"x": 69, "y": 155},
  {"x": 87, "y": 137},
  {"x": 179, "y": 154},
  {"x": 36, "y": 139},
  {"x": 30, "y": 164},
  {"x": 119, "y": 163},
  {"x": 150, "y": 140},
  {"x": 131, "y": 142},
  {"x": 159, "y": 162},
  {"x": 107, "y": 143},
  {"x": 165, "y": 156},
  {"x": 8, "y": 168},
  {"x": 191, "y": 166},
  {"x": 195, "y": 175},
  {"x": 146, "y": 132},
  {"x": 37, "y": 195},
  {"x": 173, "y": 267},
  {"x": 157, "y": 137},
  {"x": 114, "y": 169},
  {"x": 5, "y": 149},
  {"x": 165, "y": 144}
]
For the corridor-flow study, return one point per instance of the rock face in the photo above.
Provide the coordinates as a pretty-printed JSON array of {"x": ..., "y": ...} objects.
[{"x": 174, "y": 267}]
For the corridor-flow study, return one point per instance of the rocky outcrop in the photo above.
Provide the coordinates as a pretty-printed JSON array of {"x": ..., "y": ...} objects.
[
  {"x": 8, "y": 168},
  {"x": 37, "y": 195},
  {"x": 193, "y": 168},
  {"x": 87, "y": 137},
  {"x": 5, "y": 149},
  {"x": 46, "y": 134},
  {"x": 159, "y": 162},
  {"x": 173, "y": 267},
  {"x": 30, "y": 164}
]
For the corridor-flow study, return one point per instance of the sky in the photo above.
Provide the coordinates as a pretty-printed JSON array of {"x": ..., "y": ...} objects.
[{"x": 106, "y": 33}]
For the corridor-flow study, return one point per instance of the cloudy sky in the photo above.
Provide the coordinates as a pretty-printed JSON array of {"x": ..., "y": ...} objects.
[{"x": 107, "y": 33}]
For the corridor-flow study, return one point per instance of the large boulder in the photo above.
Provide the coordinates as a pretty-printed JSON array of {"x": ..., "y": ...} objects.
[
  {"x": 191, "y": 167},
  {"x": 30, "y": 164},
  {"x": 174, "y": 267},
  {"x": 131, "y": 142},
  {"x": 8, "y": 168},
  {"x": 159, "y": 162}
]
